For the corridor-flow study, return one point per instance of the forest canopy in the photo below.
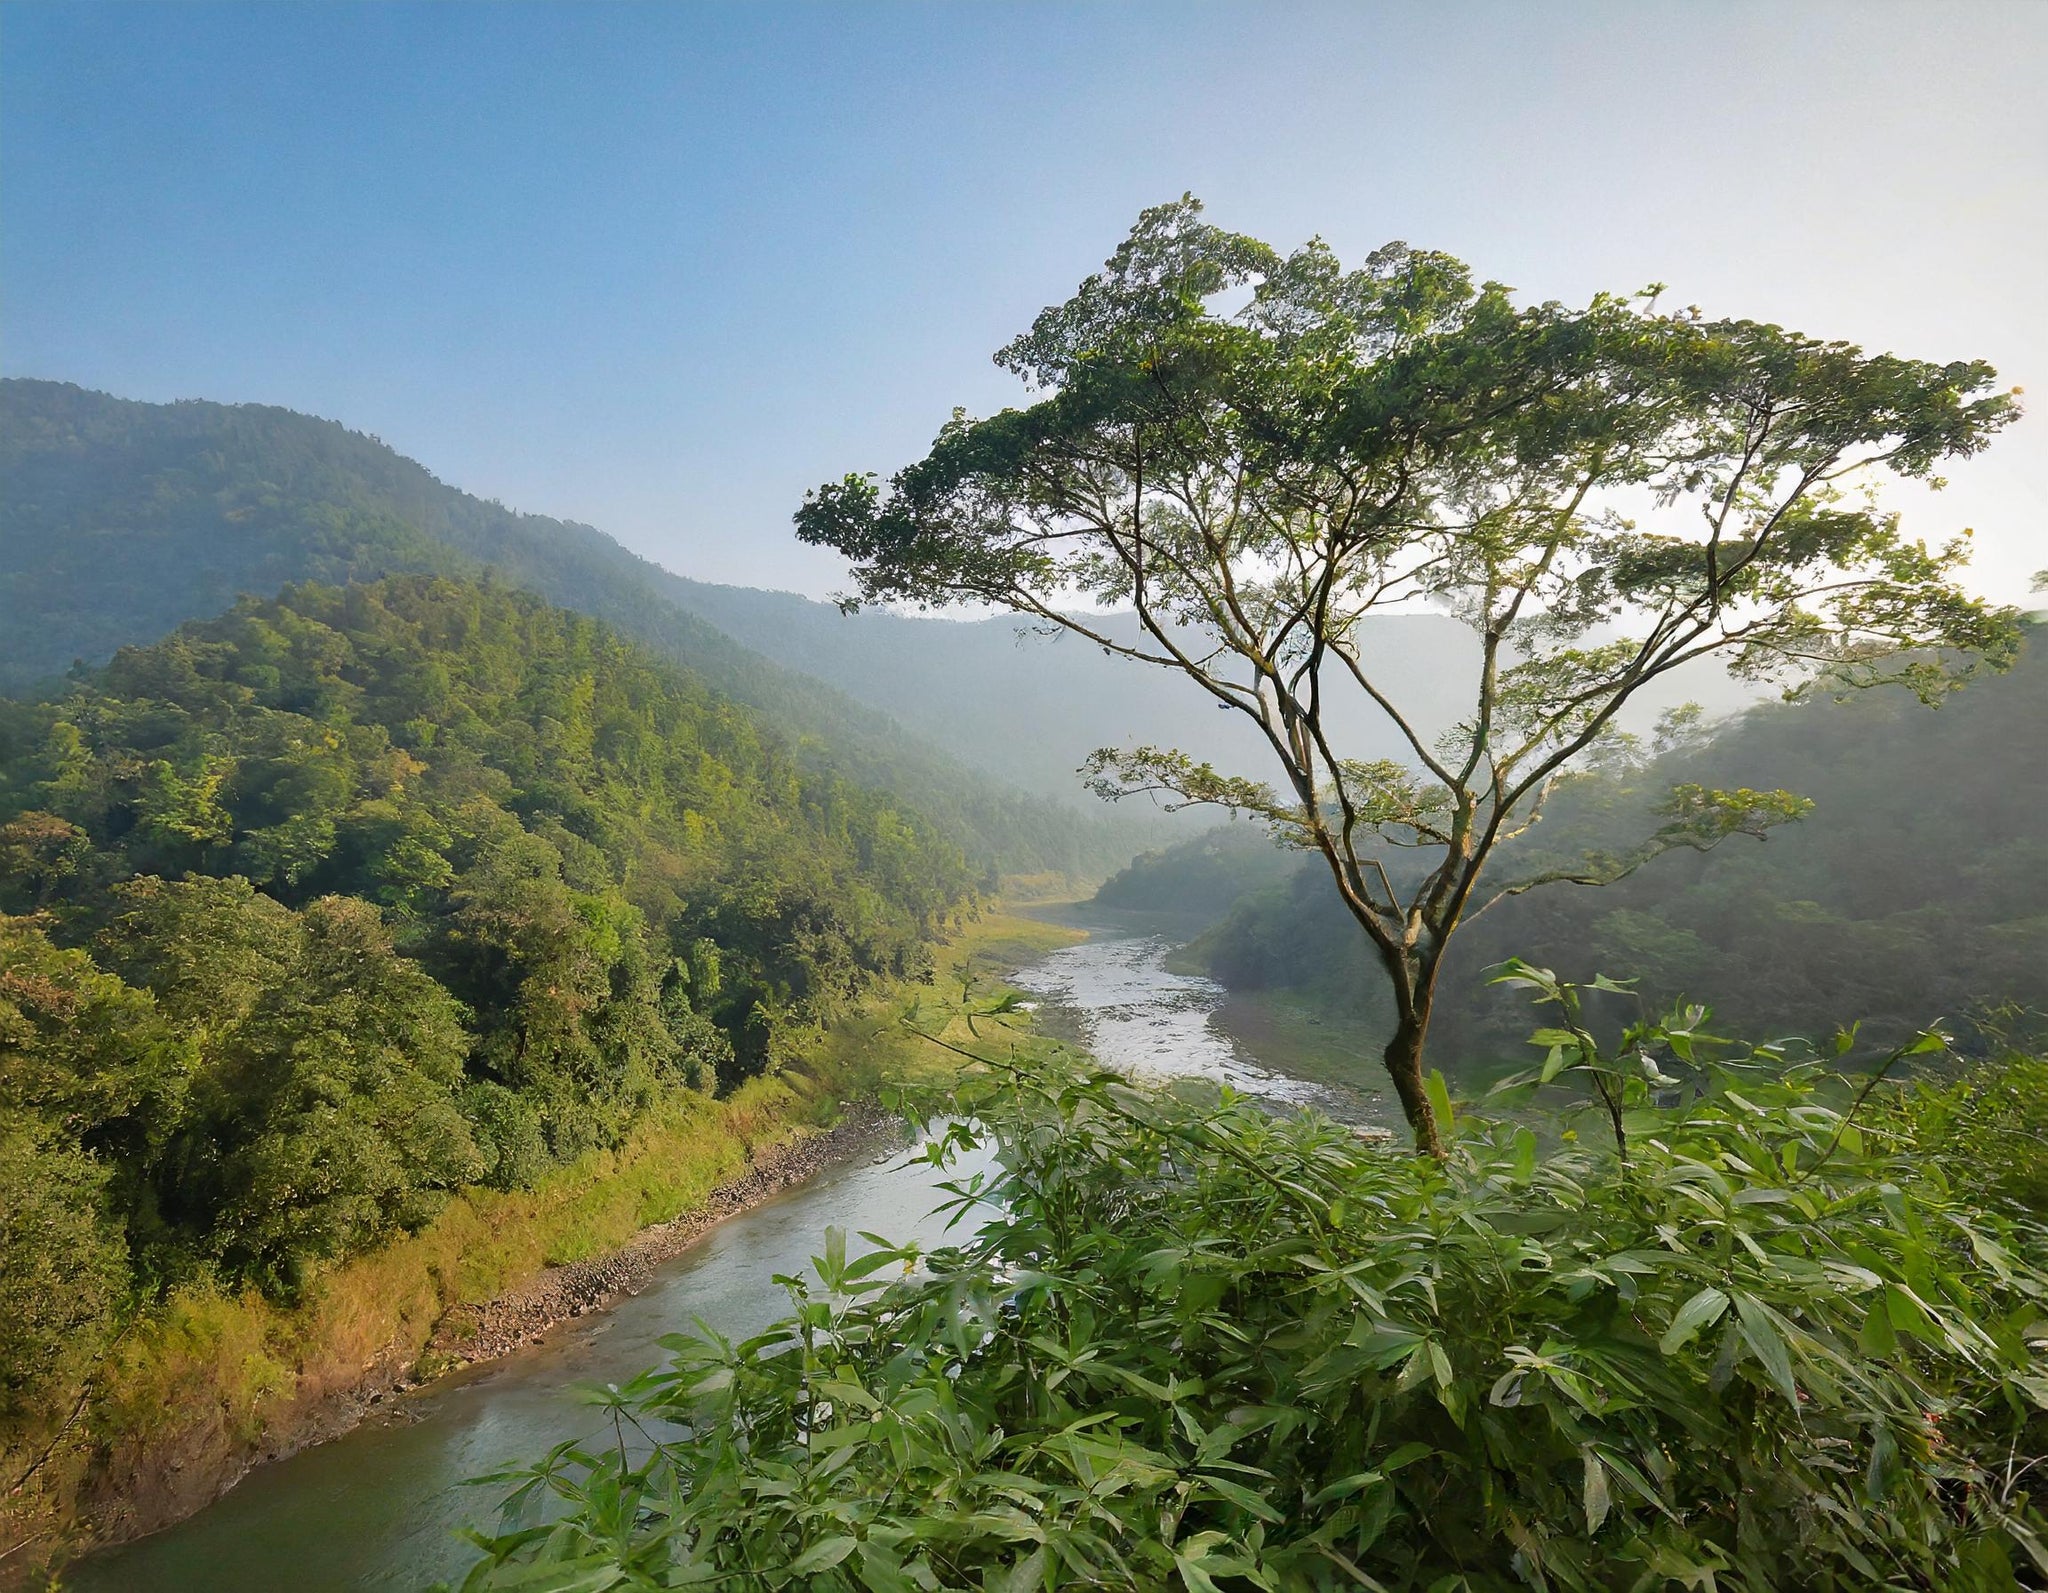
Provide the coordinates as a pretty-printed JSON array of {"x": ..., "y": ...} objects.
[
  {"x": 123, "y": 520},
  {"x": 353, "y": 897}
]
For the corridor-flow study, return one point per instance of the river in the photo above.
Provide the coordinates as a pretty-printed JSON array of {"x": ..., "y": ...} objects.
[{"x": 378, "y": 1507}]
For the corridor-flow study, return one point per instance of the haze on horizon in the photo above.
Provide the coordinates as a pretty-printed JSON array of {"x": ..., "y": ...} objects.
[{"x": 661, "y": 270}]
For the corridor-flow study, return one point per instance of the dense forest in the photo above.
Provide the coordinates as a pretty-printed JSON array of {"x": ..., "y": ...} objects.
[
  {"x": 355, "y": 896},
  {"x": 1913, "y": 890},
  {"x": 126, "y": 519}
]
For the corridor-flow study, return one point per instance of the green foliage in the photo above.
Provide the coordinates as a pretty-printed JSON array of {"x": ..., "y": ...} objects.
[
  {"x": 120, "y": 521},
  {"x": 403, "y": 887},
  {"x": 1990, "y": 1127},
  {"x": 331, "y": 1112},
  {"x": 89, "y": 1078},
  {"x": 1191, "y": 1345},
  {"x": 63, "y": 1267},
  {"x": 1912, "y": 892}
]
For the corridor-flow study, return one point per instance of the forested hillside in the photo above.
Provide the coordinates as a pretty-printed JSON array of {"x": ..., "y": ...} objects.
[
  {"x": 1916, "y": 889},
  {"x": 121, "y": 520},
  {"x": 352, "y": 897},
  {"x": 1030, "y": 707}
]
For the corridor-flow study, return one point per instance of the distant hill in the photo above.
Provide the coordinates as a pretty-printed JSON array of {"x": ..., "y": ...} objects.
[
  {"x": 1916, "y": 890},
  {"x": 1029, "y": 707},
  {"x": 121, "y": 520},
  {"x": 125, "y": 519}
]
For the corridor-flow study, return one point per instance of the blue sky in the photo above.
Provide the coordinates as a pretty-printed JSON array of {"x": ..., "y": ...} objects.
[{"x": 660, "y": 268}]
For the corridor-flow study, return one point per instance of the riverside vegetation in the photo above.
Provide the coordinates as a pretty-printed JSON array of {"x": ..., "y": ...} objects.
[
  {"x": 1729, "y": 1317},
  {"x": 354, "y": 899},
  {"x": 1785, "y": 1331},
  {"x": 371, "y": 944}
]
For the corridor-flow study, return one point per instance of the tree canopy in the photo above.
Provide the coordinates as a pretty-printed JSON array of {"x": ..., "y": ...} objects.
[
  {"x": 352, "y": 897},
  {"x": 1256, "y": 451},
  {"x": 121, "y": 520}
]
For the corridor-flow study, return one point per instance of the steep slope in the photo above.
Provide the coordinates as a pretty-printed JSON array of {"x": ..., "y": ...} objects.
[
  {"x": 348, "y": 904},
  {"x": 120, "y": 520}
]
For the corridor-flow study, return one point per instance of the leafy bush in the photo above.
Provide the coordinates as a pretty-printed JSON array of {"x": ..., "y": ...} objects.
[
  {"x": 1194, "y": 1345},
  {"x": 62, "y": 1268},
  {"x": 1990, "y": 1128}
]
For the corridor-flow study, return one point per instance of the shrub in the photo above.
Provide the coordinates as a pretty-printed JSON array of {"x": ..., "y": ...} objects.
[
  {"x": 62, "y": 1267},
  {"x": 1194, "y": 1345}
]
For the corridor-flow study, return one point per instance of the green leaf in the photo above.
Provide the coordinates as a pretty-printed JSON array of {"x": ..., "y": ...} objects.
[
  {"x": 1597, "y": 1499},
  {"x": 1357, "y": 1482},
  {"x": 823, "y": 1555},
  {"x": 1702, "y": 1311},
  {"x": 1028, "y": 1574},
  {"x": 1406, "y": 1455},
  {"x": 1439, "y": 1094},
  {"x": 1525, "y": 1155},
  {"x": 1767, "y": 1344}
]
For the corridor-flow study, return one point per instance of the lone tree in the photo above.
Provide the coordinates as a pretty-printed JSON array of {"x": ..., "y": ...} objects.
[{"x": 1602, "y": 494}]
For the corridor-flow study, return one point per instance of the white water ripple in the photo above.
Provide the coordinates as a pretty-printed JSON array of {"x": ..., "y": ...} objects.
[{"x": 1149, "y": 1022}]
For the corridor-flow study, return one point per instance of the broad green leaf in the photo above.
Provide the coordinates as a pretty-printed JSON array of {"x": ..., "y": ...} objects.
[
  {"x": 1767, "y": 1344},
  {"x": 1702, "y": 1311},
  {"x": 823, "y": 1555},
  {"x": 1439, "y": 1094},
  {"x": 1525, "y": 1155}
]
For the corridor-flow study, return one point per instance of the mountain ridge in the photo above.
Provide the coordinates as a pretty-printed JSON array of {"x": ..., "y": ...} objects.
[{"x": 124, "y": 519}]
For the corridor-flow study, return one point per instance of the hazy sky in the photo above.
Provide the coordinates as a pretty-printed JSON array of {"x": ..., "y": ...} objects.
[{"x": 661, "y": 268}]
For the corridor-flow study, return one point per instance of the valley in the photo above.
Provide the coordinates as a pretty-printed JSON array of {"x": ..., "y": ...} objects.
[{"x": 379, "y": 1506}]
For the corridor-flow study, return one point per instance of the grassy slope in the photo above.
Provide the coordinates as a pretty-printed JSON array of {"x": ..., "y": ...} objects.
[{"x": 206, "y": 1381}]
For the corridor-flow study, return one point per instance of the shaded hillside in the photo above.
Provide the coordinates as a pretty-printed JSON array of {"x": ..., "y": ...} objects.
[
  {"x": 1200, "y": 880},
  {"x": 121, "y": 520},
  {"x": 1916, "y": 890},
  {"x": 1030, "y": 707}
]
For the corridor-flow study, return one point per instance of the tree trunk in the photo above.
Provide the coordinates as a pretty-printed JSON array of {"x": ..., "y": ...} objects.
[{"x": 1403, "y": 1058}]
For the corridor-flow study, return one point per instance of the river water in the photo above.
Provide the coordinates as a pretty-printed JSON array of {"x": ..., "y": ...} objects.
[{"x": 378, "y": 1507}]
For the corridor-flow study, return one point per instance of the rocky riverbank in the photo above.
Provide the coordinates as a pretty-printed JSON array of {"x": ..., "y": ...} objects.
[
  {"x": 481, "y": 1332},
  {"x": 135, "y": 1486}
]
